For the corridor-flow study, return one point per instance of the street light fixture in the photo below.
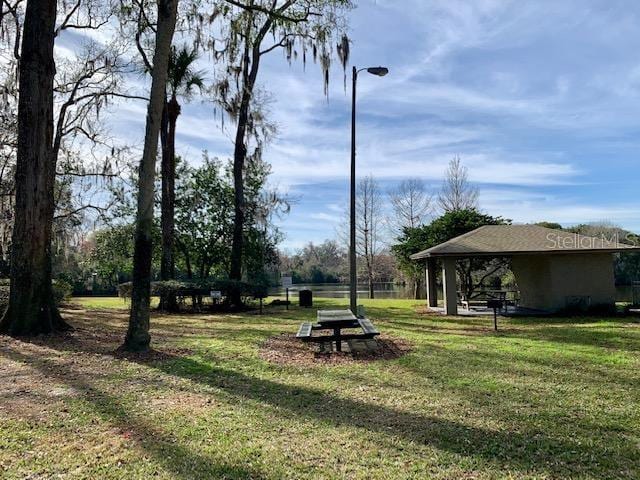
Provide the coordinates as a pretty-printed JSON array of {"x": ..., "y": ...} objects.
[
  {"x": 353, "y": 275},
  {"x": 379, "y": 71}
]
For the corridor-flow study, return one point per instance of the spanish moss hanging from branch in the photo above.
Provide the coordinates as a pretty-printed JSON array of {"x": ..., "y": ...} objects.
[{"x": 244, "y": 32}]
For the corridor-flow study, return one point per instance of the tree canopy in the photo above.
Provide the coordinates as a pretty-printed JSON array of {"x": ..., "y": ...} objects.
[{"x": 472, "y": 273}]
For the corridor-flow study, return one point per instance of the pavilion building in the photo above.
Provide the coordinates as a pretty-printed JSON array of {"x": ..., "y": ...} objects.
[{"x": 553, "y": 268}]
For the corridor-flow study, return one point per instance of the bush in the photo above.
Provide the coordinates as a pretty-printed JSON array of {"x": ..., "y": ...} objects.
[
  {"x": 168, "y": 287},
  {"x": 195, "y": 288},
  {"x": 61, "y": 290}
]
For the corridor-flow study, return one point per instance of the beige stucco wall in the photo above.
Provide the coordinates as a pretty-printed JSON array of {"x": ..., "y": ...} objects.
[{"x": 545, "y": 281}]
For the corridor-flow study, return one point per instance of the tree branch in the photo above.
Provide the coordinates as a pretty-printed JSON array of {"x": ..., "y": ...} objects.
[
  {"x": 65, "y": 25},
  {"x": 13, "y": 10},
  {"x": 274, "y": 13},
  {"x": 68, "y": 17},
  {"x": 80, "y": 209},
  {"x": 142, "y": 16}
]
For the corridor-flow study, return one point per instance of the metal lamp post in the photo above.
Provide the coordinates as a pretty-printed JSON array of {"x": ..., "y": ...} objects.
[{"x": 353, "y": 275}]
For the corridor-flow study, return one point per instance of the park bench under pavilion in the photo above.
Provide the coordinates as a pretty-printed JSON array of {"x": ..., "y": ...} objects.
[{"x": 552, "y": 267}]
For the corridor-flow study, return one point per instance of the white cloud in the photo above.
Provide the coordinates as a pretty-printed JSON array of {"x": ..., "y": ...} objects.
[
  {"x": 326, "y": 217},
  {"x": 529, "y": 206},
  {"x": 536, "y": 97}
]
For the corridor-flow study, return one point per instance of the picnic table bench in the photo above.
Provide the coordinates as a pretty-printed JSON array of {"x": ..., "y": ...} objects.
[{"x": 337, "y": 320}]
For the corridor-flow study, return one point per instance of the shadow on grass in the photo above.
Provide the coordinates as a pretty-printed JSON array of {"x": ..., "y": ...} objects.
[
  {"x": 616, "y": 333},
  {"x": 529, "y": 449},
  {"x": 624, "y": 337},
  {"x": 179, "y": 459},
  {"x": 526, "y": 450}
]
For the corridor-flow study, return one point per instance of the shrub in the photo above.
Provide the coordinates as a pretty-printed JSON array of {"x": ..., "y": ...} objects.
[
  {"x": 198, "y": 288},
  {"x": 61, "y": 290}
]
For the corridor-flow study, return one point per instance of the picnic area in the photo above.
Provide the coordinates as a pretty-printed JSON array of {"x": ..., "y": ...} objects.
[
  {"x": 541, "y": 398},
  {"x": 319, "y": 239}
]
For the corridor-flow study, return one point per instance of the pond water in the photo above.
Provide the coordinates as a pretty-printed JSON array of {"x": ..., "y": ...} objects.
[
  {"x": 624, "y": 293},
  {"x": 341, "y": 290}
]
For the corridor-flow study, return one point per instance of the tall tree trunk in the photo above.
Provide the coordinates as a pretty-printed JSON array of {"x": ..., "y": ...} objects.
[
  {"x": 251, "y": 63},
  {"x": 32, "y": 309},
  {"x": 168, "y": 302},
  {"x": 138, "y": 338},
  {"x": 250, "y": 67},
  {"x": 239, "y": 156}
]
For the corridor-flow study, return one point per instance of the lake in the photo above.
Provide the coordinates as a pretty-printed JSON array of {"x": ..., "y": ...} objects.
[
  {"x": 341, "y": 290},
  {"x": 624, "y": 293}
]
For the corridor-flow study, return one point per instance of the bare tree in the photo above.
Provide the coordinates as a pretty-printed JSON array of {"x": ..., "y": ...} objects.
[
  {"x": 369, "y": 223},
  {"x": 138, "y": 337},
  {"x": 411, "y": 203},
  {"x": 457, "y": 193}
]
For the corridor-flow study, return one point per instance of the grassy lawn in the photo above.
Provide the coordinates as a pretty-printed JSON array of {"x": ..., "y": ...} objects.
[
  {"x": 543, "y": 398},
  {"x": 100, "y": 303}
]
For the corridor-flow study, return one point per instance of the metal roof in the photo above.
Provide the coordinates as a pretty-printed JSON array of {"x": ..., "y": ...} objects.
[{"x": 507, "y": 240}]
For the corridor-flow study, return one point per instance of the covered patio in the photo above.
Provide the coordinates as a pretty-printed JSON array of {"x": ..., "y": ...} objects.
[{"x": 554, "y": 269}]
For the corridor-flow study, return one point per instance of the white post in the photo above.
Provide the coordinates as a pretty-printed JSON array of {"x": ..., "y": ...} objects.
[{"x": 449, "y": 286}]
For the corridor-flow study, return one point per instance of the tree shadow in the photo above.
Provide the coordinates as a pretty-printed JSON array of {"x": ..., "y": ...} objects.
[
  {"x": 480, "y": 363},
  {"x": 626, "y": 338},
  {"x": 527, "y": 450},
  {"x": 578, "y": 331},
  {"x": 179, "y": 459}
]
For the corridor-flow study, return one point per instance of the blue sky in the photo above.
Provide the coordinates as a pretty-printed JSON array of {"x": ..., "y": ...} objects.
[{"x": 541, "y": 100}]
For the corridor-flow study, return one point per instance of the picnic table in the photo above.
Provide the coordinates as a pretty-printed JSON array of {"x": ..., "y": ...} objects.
[{"x": 337, "y": 320}]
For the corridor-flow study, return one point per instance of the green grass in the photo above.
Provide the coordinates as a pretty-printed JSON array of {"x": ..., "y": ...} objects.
[
  {"x": 542, "y": 398},
  {"x": 116, "y": 303}
]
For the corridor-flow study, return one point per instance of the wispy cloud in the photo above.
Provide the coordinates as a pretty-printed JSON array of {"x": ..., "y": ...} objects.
[{"x": 540, "y": 99}]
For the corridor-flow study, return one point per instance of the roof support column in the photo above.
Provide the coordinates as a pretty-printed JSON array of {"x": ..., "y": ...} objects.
[
  {"x": 430, "y": 282},
  {"x": 449, "y": 286}
]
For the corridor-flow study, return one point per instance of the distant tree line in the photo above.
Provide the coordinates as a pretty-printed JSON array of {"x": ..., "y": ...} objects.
[
  {"x": 328, "y": 262},
  {"x": 385, "y": 239}
]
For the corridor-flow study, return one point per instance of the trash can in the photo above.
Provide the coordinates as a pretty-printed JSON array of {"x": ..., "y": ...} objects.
[{"x": 306, "y": 298}]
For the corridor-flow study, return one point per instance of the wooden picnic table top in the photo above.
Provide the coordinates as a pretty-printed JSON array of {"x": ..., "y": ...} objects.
[
  {"x": 335, "y": 313},
  {"x": 325, "y": 316}
]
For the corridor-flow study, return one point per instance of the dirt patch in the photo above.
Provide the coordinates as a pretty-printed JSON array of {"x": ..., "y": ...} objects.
[
  {"x": 424, "y": 310},
  {"x": 286, "y": 349},
  {"x": 42, "y": 373},
  {"x": 101, "y": 332}
]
